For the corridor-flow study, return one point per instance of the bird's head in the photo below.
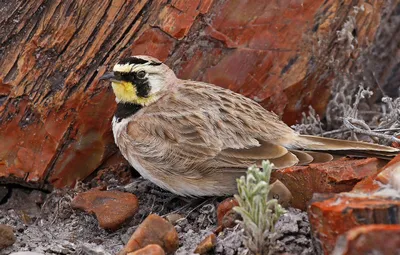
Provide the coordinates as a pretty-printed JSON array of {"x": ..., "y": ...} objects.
[{"x": 140, "y": 79}]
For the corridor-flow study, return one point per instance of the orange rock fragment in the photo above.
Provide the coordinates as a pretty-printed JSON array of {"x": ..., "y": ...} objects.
[
  {"x": 386, "y": 175},
  {"x": 206, "y": 245},
  {"x": 112, "y": 208},
  {"x": 331, "y": 177},
  {"x": 151, "y": 249},
  {"x": 390, "y": 174},
  {"x": 333, "y": 215},
  {"x": 371, "y": 239},
  {"x": 153, "y": 230}
]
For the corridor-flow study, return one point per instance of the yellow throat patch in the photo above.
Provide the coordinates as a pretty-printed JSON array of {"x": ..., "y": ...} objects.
[{"x": 126, "y": 92}]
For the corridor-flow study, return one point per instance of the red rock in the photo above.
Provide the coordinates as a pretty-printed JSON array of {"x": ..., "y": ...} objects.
[
  {"x": 205, "y": 6},
  {"x": 333, "y": 215},
  {"x": 206, "y": 245},
  {"x": 7, "y": 237},
  {"x": 224, "y": 207},
  {"x": 175, "y": 22},
  {"x": 367, "y": 185},
  {"x": 152, "y": 42},
  {"x": 371, "y": 239},
  {"x": 17, "y": 155},
  {"x": 253, "y": 37},
  {"x": 151, "y": 249},
  {"x": 88, "y": 146},
  {"x": 386, "y": 175},
  {"x": 189, "y": 7},
  {"x": 153, "y": 230},
  {"x": 112, "y": 208},
  {"x": 331, "y": 177},
  {"x": 390, "y": 174}
]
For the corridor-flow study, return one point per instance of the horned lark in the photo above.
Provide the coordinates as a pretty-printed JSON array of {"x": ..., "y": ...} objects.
[{"x": 195, "y": 139}]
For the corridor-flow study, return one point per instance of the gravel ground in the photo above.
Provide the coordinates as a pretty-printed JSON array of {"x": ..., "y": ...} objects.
[{"x": 49, "y": 225}]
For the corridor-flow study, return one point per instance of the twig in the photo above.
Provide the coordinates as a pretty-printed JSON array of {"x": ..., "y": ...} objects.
[
  {"x": 387, "y": 130},
  {"x": 348, "y": 124},
  {"x": 200, "y": 205},
  {"x": 337, "y": 131},
  {"x": 365, "y": 126}
]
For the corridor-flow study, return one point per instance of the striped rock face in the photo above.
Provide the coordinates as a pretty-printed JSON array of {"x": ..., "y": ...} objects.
[{"x": 55, "y": 116}]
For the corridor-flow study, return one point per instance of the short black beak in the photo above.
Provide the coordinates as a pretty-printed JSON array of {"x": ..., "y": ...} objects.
[{"x": 108, "y": 76}]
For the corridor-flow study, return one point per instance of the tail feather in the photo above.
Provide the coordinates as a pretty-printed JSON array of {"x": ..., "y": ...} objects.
[{"x": 351, "y": 148}]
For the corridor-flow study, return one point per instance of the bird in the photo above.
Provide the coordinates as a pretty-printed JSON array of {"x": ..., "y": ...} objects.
[{"x": 195, "y": 139}]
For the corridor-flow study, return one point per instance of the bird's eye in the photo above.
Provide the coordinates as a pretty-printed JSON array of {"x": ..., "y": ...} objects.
[{"x": 141, "y": 74}]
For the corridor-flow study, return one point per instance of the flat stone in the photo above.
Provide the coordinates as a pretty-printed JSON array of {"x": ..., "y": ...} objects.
[
  {"x": 331, "y": 177},
  {"x": 153, "y": 230},
  {"x": 335, "y": 214},
  {"x": 371, "y": 239},
  {"x": 112, "y": 208}
]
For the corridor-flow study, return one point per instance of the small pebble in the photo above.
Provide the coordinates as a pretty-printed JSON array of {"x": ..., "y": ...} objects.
[
  {"x": 7, "y": 237},
  {"x": 207, "y": 244}
]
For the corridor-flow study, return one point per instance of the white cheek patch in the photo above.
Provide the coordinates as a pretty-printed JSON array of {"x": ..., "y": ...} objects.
[
  {"x": 125, "y": 68},
  {"x": 155, "y": 84}
]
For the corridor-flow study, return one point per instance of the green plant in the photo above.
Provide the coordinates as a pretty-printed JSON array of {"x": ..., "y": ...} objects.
[{"x": 259, "y": 214}]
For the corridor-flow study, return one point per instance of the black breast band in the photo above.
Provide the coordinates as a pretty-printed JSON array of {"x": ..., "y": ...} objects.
[{"x": 125, "y": 110}]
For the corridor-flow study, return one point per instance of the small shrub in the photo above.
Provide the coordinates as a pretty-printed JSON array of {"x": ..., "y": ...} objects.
[{"x": 259, "y": 215}]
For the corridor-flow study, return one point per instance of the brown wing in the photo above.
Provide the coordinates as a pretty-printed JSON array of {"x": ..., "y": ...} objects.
[{"x": 200, "y": 129}]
